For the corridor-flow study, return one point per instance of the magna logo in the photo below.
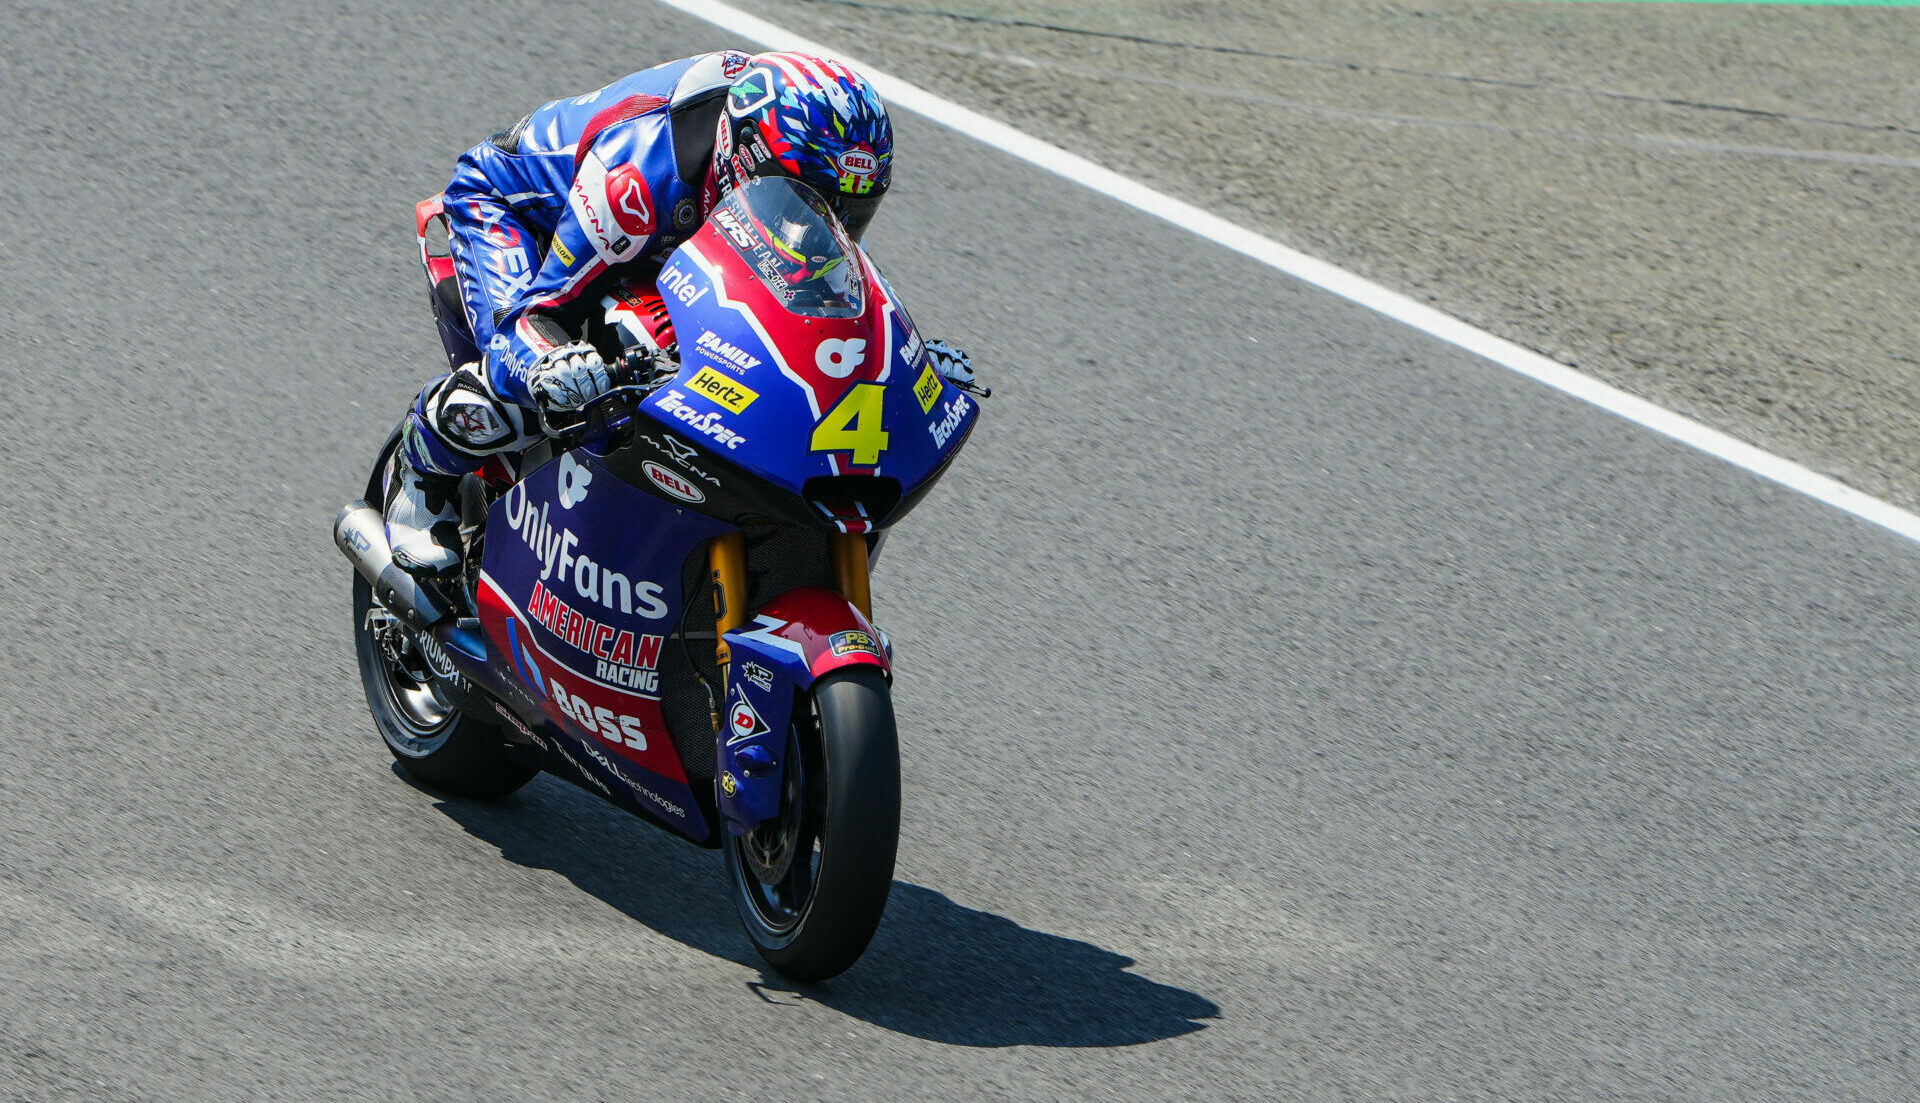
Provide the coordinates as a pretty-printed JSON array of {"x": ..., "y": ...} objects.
[
  {"x": 672, "y": 484},
  {"x": 857, "y": 162},
  {"x": 631, "y": 201},
  {"x": 710, "y": 384}
]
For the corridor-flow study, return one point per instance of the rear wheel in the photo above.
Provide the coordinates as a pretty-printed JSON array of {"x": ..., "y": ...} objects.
[
  {"x": 811, "y": 884},
  {"x": 416, "y": 699}
]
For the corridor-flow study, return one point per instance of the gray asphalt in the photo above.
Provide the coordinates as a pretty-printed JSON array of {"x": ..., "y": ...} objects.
[{"x": 1293, "y": 707}]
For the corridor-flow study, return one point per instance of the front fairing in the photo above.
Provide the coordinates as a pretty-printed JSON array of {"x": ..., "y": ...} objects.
[{"x": 834, "y": 421}]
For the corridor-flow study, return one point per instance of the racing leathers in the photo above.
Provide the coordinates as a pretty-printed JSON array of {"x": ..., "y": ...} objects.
[
  {"x": 539, "y": 216},
  {"x": 542, "y": 218}
]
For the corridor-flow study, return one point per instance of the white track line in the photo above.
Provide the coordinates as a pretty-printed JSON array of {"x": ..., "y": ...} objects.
[{"x": 1338, "y": 281}]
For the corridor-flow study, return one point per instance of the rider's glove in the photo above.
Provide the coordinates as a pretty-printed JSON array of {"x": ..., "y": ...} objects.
[
  {"x": 569, "y": 377},
  {"x": 950, "y": 362}
]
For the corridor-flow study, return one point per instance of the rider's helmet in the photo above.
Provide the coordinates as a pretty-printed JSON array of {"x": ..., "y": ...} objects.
[{"x": 812, "y": 119}]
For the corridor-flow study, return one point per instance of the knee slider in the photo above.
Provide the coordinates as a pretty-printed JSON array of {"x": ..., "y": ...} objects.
[{"x": 465, "y": 413}]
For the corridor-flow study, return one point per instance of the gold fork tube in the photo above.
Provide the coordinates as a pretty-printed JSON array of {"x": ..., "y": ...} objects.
[
  {"x": 727, "y": 556},
  {"x": 850, "y": 571}
]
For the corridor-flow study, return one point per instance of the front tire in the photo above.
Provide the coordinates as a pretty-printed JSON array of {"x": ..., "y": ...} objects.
[
  {"x": 422, "y": 722},
  {"x": 811, "y": 885}
]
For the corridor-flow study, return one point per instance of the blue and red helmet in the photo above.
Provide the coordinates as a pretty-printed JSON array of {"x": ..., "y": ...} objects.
[{"x": 812, "y": 119}]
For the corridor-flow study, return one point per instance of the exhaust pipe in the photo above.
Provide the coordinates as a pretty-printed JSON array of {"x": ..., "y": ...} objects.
[{"x": 361, "y": 534}]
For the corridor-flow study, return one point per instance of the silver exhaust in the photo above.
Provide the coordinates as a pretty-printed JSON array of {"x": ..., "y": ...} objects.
[{"x": 361, "y": 534}]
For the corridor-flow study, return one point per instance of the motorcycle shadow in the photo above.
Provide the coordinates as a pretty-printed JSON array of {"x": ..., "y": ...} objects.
[{"x": 936, "y": 970}]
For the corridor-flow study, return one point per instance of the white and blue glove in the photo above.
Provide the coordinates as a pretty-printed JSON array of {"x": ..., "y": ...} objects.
[
  {"x": 569, "y": 377},
  {"x": 950, "y": 362}
]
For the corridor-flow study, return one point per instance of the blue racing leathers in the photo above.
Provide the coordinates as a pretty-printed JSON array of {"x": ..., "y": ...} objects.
[{"x": 542, "y": 216}]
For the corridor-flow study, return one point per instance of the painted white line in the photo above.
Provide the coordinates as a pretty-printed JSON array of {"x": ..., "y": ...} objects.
[{"x": 899, "y": 93}]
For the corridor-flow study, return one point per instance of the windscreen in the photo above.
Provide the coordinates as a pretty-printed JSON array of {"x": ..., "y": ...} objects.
[{"x": 795, "y": 245}]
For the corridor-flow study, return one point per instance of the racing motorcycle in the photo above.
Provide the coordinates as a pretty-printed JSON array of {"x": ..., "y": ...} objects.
[{"x": 666, "y": 602}]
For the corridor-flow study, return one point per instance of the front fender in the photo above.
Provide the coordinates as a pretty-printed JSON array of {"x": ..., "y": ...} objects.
[
  {"x": 797, "y": 638},
  {"x": 809, "y": 633}
]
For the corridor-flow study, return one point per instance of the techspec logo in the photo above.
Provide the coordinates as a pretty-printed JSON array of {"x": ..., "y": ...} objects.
[
  {"x": 956, "y": 412},
  {"x": 707, "y": 424}
]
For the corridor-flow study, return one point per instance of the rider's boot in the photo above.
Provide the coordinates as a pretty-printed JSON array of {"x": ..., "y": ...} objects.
[{"x": 423, "y": 518}]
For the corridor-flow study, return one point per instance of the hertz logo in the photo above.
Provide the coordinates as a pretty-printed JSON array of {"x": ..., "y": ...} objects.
[
  {"x": 711, "y": 384},
  {"x": 927, "y": 390}
]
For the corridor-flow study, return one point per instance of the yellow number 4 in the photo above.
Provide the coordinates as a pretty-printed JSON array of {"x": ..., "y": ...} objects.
[{"x": 853, "y": 425}]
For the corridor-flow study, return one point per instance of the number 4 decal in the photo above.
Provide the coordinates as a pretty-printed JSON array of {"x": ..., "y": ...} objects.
[{"x": 853, "y": 425}]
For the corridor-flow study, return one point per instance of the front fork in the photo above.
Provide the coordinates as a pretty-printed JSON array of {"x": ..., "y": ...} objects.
[
  {"x": 796, "y": 634},
  {"x": 727, "y": 556}
]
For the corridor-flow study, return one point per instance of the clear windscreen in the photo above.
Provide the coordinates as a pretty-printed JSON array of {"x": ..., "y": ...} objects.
[{"x": 796, "y": 247}]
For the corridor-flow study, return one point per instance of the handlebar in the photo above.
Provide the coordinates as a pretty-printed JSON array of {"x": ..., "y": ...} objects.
[{"x": 634, "y": 375}]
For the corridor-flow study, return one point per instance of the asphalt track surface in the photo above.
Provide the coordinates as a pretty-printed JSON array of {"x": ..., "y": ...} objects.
[{"x": 1293, "y": 707}]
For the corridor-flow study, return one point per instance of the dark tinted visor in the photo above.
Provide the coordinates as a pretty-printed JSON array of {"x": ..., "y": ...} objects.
[{"x": 855, "y": 211}]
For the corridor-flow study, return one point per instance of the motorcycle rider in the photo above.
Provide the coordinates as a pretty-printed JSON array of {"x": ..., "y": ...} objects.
[{"x": 586, "y": 191}]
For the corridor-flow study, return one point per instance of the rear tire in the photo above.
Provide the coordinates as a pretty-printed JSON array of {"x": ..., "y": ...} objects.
[
  {"x": 811, "y": 886},
  {"x": 430, "y": 735}
]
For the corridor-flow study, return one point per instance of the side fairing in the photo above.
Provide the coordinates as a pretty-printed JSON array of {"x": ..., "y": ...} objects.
[{"x": 579, "y": 590}]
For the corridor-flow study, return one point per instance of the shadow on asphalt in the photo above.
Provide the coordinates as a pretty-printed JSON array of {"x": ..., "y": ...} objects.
[{"x": 936, "y": 970}]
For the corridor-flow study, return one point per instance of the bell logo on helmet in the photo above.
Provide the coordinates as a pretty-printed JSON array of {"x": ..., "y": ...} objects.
[{"x": 858, "y": 162}]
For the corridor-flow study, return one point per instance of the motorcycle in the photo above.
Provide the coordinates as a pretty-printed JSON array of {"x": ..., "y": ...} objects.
[{"x": 667, "y": 601}]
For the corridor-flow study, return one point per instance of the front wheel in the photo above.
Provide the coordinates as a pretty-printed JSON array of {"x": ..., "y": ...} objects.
[
  {"x": 811, "y": 884},
  {"x": 411, "y": 693}
]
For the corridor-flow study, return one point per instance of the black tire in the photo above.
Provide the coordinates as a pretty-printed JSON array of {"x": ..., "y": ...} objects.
[
  {"x": 841, "y": 815},
  {"x": 432, "y": 738}
]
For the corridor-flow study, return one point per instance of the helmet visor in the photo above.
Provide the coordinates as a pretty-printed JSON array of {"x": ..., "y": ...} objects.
[{"x": 855, "y": 211}]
